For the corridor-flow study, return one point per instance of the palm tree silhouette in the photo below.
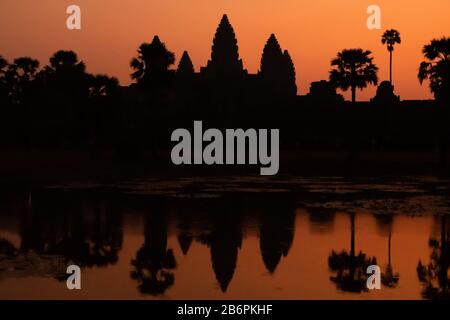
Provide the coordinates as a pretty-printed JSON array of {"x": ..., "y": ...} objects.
[
  {"x": 152, "y": 63},
  {"x": 436, "y": 67},
  {"x": 354, "y": 69},
  {"x": 63, "y": 60},
  {"x": 66, "y": 74},
  {"x": 390, "y": 38}
]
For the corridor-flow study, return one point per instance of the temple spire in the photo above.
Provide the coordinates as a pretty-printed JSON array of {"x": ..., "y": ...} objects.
[
  {"x": 277, "y": 70},
  {"x": 185, "y": 67},
  {"x": 225, "y": 52},
  {"x": 289, "y": 74}
]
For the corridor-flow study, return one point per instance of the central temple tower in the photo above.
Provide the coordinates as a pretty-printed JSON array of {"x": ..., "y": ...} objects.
[{"x": 225, "y": 62}]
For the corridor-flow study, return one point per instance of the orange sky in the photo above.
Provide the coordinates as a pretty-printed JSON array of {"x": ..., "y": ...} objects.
[{"x": 313, "y": 32}]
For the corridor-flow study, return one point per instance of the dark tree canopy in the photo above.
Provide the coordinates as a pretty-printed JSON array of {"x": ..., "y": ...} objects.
[
  {"x": 436, "y": 67},
  {"x": 64, "y": 60},
  {"x": 354, "y": 68},
  {"x": 102, "y": 85},
  {"x": 66, "y": 76},
  {"x": 390, "y": 38},
  {"x": 25, "y": 68},
  {"x": 19, "y": 76},
  {"x": 152, "y": 63}
]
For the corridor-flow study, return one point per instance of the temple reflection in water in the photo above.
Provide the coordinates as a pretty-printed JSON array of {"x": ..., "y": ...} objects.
[{"x": 273, "y": 244}]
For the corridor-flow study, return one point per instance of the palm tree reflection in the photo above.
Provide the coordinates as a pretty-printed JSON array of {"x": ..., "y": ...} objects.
[
  {"x": 58, "y": 229},
  {"x": 389, "y": 278},
  {"x": 154, "y": 262},
  {"x": 350, "y": 268},
  {"x": 86, "y": 232},
  {"x": 435, "y": 276}
]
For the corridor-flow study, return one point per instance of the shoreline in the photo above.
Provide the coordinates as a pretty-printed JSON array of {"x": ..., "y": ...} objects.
[{"x": 40, "y": 166}]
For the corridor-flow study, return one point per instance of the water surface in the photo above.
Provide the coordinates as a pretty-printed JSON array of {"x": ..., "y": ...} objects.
[{"x": 227, "y": 238}]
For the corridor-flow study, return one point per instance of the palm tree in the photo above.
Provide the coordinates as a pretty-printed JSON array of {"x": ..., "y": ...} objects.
[
  {"x": 63, "y": 60},
  {"x": 152, "y": 63},
  {"x": 390, "y": 38},
  {"x": 436, "y": 67},
  {"x": 67, "y": 74},
  {"x": 354, "y": 69}
]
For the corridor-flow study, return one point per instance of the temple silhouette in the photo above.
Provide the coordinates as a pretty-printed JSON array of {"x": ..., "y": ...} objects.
[
  {"x": 224, "y": 94},
  {"x": 61, "y": 106}
]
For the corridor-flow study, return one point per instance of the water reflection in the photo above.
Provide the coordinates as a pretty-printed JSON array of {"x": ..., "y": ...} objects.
[
  {"x": 154, "y": 262},
  {"x": 435, "y": 275},
  {"x": 276, "y": 232},
  {"x": 350, "y": 268},
  {"x": 285, "y": 244},
  {"x": 384, "y": 222},
  {"x": 57, "y": 229}
]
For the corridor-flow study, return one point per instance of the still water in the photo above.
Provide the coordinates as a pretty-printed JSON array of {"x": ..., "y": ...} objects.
[{"x": 227, "y": 238}]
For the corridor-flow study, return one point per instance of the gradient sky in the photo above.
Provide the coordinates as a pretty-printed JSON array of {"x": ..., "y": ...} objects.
[{"x": 312, "y": 31}]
